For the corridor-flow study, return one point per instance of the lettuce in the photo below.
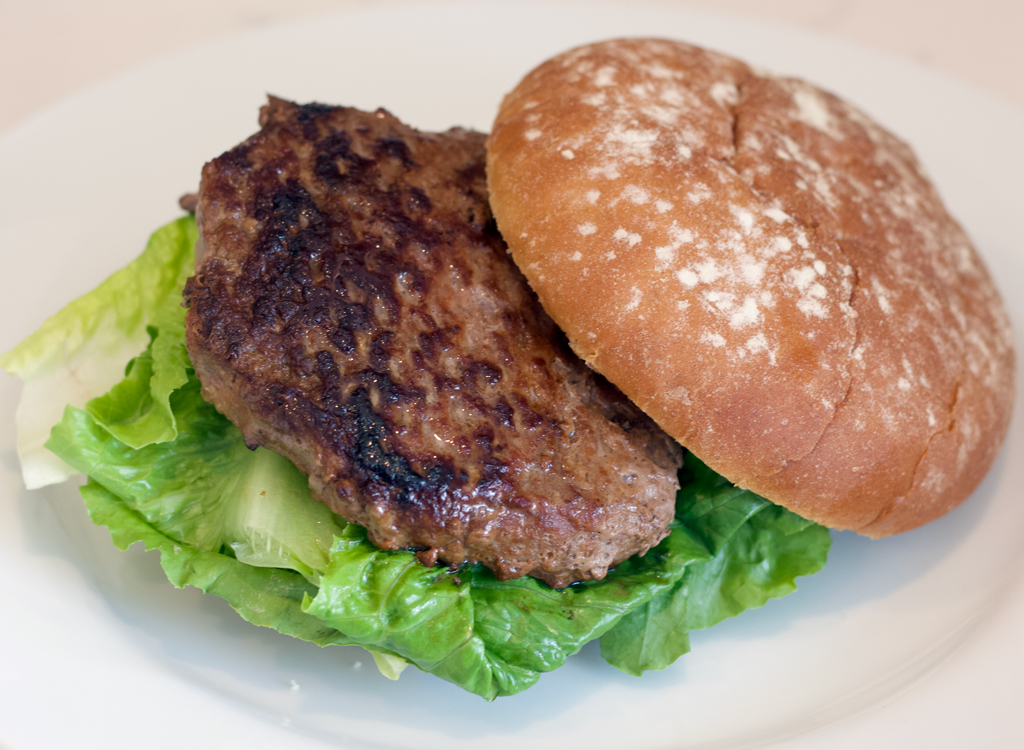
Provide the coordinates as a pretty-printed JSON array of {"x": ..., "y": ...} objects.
[
  {"x": 206, "y": 500},
  {"x": 759, "y": 550},
  {"x": 489, "y": 637},
  {"x": 205, "y": 488},
  {"x": 82, "y": 351},
  {"x": 167, "y": 470},
  {"x": 264, "y": 596}
]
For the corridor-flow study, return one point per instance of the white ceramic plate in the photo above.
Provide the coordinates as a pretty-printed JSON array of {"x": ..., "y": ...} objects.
[{"x": 910, "y": 640}]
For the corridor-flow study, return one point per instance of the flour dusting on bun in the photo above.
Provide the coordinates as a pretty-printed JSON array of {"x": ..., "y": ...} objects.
[{"x": 765, "y": 271}]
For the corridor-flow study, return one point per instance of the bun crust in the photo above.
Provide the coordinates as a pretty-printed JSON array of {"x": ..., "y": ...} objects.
[{"x": 765, "y": 271}]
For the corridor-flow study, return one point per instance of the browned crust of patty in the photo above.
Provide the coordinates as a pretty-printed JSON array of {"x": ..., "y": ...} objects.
[
  {"x": 765, "y": 271},
  {"x": 355, "y": 309}
]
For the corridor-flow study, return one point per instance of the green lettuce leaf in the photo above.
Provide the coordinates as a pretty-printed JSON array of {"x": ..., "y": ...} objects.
[
  {"x": 207, "y": 493},
  {"x": 264, "y": 596},
  {"x": 82, "y": 351},
  {"x": 137, "y": 411},
  {"x": 490, "y": 637},
  {"x": 205, "y": 488},
  {"x": 759, "y": 550}
]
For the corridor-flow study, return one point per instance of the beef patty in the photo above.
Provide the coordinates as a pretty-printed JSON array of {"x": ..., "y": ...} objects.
[{"x": 355, "y": 309}]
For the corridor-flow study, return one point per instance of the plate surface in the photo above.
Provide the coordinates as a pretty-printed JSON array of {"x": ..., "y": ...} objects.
[{"x": 895, "y": 636}]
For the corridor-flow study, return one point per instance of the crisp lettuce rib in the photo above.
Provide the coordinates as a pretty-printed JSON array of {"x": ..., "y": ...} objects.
[
  {"x": 205, "y": 488},
  {"x": 264, "y": 596}
]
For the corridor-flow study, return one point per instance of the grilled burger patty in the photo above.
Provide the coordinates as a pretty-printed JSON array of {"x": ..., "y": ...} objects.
[{"x": 355, "y": 309}]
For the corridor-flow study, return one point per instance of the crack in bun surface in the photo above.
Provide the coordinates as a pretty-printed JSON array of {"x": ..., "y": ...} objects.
[{"x": 765, "y": 271}]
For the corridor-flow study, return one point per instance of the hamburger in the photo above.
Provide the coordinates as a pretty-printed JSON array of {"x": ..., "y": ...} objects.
[{"x": 610, "y": 219}]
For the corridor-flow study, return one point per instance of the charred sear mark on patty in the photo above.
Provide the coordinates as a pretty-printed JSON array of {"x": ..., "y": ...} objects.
[{"x": 356, "y": 310}]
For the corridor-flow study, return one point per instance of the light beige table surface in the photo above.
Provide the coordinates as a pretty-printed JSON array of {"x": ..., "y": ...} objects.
[{"x": 51, "y": 48}]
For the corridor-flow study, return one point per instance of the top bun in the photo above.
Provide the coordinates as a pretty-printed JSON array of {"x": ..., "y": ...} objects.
[{"x": 762, "y": 269}]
